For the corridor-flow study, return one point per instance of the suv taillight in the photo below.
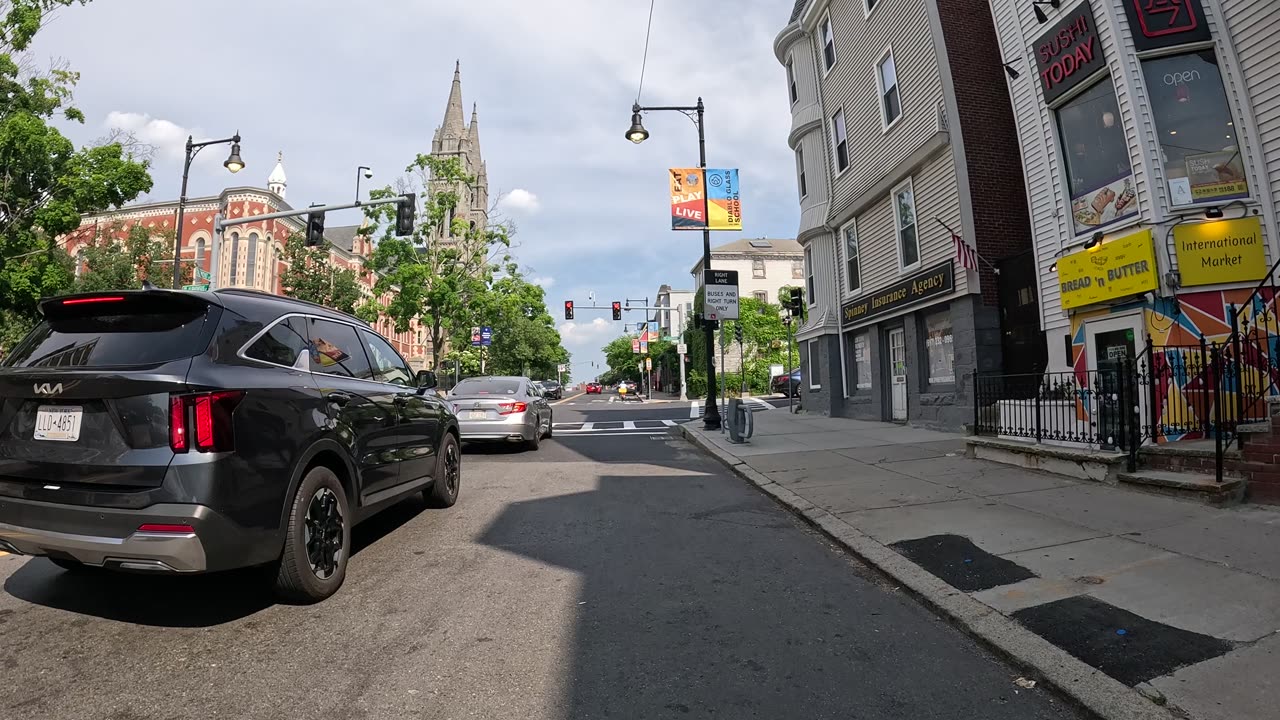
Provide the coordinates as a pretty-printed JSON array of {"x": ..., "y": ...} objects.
[{"x": 203, "y": 421}]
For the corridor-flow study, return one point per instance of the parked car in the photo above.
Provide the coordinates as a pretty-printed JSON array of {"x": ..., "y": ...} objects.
[
  {"x": 502, "y": 409},
  {"x": 553, "y": 390},
  {"x": 181, "y": 432},
  {"x": 594, "y": 388},
  {"x": 780, "y": 384}
]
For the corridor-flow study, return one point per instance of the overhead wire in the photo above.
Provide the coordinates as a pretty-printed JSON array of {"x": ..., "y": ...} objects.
[{"x": 645, "y": 60}]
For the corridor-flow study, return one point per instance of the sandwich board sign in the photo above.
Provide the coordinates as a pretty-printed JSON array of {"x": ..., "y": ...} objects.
[{"x": 721, "y": 288}]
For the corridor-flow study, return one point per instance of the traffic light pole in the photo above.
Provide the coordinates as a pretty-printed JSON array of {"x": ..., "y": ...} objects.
[{"x": 220, "y": 223}]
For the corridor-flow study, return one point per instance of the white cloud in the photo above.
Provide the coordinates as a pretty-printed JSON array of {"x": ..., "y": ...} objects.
[
  {"x": 168, "y": 138},
  {"x": 545, "y": 282},
  {"x": 521, "y": 200},
  {"x": 576, "y": 332}
]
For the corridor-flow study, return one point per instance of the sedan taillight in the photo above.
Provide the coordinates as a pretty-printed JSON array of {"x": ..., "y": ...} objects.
[
  {"x": 209, "y": 414},
  {"x": 510, "y": 408}
]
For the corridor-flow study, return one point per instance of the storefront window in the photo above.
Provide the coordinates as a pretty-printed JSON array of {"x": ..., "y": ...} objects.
[
  {"x": 1097, "y": 159},
  {"x": 1197, "y": 134},
  {"x": 862, "y": 360},
  {"x": 940, "y": 348}
]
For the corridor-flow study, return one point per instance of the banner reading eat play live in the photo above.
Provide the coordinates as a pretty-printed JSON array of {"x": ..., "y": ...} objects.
[
  {"x": 1115, "y": 269},
  {"x": 707, "y": 199},
  {"x": 1220, "y": 252}
]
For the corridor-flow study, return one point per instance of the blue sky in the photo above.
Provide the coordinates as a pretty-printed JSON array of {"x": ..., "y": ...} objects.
[{"x": 335, "y": 87}]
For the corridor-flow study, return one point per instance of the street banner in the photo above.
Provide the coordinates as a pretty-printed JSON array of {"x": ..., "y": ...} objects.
[
  {"x": 644, "y": 347},
  {"x": 653, "y": 329},
  {"x": 475, "y": 336},
  {"x": 721, "y": 294},
  {"x": 724, "y": 207},
  {"x": 486, "y": 336},
  {"x": 635, "y": 345},
  {"x": 705, "y": 199}
]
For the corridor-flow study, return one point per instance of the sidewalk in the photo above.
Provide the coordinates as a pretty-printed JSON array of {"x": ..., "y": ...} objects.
[{"x": 1102, "y": 592}]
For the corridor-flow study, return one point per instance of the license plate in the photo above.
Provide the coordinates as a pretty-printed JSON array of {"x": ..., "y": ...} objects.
[
  {"x": 57, "y": 422},
  {"x": 477, "y": 415}
]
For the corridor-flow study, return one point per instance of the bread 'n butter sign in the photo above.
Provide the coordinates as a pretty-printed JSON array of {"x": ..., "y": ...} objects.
[{"x": 1115, "y": 269}]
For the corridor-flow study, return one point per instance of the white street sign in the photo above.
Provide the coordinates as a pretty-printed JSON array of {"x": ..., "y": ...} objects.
[
  {"x": 721, "y": 288},
  {"x": 561, "y": 368},
  {"x": 682, "y": 349}
]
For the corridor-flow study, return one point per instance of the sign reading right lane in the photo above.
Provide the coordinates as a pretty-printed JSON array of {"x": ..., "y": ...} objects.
[{"x": 721, "y": 288}]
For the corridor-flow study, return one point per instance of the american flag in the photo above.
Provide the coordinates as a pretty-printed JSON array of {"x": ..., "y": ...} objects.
[{"x": 968, "y": 256}]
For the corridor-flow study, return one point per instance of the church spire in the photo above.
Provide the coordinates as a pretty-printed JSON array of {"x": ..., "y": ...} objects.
[
  {"x": 473, "y": 132},
  {"x": 277, "y": 182},
  {"x": 454, "y": 125}
]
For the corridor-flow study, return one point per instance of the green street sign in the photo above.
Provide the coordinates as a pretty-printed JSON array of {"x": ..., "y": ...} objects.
[
  {"x": 202, "y": 275},
  {"x": 670, "y": 338},
  {"x": 197, "y": 288}
]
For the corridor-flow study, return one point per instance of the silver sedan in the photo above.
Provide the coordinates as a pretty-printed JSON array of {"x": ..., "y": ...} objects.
[{"x": 501, "y": 409}]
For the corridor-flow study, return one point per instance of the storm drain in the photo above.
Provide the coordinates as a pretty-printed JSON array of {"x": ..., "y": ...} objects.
[
  {"x": 961, "y": 564},
  {"x": 1128, "y": 647}
]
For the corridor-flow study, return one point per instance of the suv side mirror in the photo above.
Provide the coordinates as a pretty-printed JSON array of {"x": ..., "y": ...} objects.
[{"x": 426, "y": 380}]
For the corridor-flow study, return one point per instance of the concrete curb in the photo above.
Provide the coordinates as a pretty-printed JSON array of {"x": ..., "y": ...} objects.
[{"x": 1084, "y": 685}]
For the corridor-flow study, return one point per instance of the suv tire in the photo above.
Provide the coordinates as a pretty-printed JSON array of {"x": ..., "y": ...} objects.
[
  {"x": 447, "y": 481},
  {"x": 319, "y": 497}
]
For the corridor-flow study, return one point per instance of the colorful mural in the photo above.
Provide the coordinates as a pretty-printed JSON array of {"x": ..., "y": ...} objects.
[{"x": 1177, "y": 382}]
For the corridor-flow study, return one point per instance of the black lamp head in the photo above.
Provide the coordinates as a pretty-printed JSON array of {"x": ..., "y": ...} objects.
[{"x": 637, "y": 134}]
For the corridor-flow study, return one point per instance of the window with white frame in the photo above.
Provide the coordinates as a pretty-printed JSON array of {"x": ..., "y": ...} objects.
[
  {"x": 840, "y": 140},
  {"x": 904, "y": 220},
  {"x": 813, "y": 376},
  {"x": 808, "y": 281},
  {"x": 757, "y": 268},
  {"x": 828, "y": 44},
  {"x": 852, "y": 270},
  {"x": 797, "y": 269},
  {"x": 862, "y": 360},
  {"x": 940, "y": 348},
  {"x": 791, "y": 82},
  {"x": 251, "y": 263},
  {"x": 803, "y": 181},
  {"x": 235, "y": 258},
  {"x": 887, "y": 80},
  {"x": 761, "y": 295}
]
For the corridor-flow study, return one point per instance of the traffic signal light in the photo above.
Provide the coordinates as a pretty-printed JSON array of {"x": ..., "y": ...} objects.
[
  {"x": 797, "y": 301},
  {"x": 315, "y": 229},
  {"x": 568, "y": 309},
  {"x": 406, "y": 209},
  {"x": 737, "y": 333},
  {"x": 617, "y": 310}
]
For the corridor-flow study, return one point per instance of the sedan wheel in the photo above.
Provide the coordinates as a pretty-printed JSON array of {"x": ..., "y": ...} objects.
[{"x": 448, "y": 476}]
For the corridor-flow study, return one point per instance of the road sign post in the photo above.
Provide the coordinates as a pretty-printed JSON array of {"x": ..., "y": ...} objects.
[{"x": 721, "y": 294}]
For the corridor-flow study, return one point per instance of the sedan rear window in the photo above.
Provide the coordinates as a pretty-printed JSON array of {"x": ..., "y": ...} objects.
[
  {"x": 117, "y": 331},
  {"x": 487, "y": 386}
]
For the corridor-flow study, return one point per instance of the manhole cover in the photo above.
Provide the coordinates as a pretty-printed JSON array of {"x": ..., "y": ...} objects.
[{"x": 1090, "y": 580}]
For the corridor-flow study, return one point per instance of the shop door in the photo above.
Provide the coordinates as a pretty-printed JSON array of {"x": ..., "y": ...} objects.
[
  {"x": 1113, "y": 351},
  {"x": 898, "y": 372}
]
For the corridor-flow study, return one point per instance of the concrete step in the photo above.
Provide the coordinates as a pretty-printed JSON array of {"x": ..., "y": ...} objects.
[{"x": 1187, "y": 485}]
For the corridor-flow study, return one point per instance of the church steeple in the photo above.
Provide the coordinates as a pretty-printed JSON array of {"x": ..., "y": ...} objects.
[
  {"x": 277, "y": 182},
  {"x": 454, "y": 124},
  {"x": 473, "y": 134}
]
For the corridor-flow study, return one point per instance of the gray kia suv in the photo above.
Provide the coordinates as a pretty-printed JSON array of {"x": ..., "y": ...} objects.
[{"x": 178, "y": 432}]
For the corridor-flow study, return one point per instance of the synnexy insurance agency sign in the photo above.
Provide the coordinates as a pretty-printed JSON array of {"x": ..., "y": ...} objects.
[
  {"x": 1069, "y": 53},
  {"x": 1220, "y": 252},
  {"x": 938, "y": 280},
  {"x": 1115, "y": 269}
]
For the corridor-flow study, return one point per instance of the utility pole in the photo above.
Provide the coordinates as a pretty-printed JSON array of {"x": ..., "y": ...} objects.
[{"x": 790, "y": 393}]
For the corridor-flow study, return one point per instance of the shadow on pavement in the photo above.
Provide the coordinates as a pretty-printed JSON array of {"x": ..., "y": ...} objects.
[
  {"x": 177, "y": 601},
  {"x": 701, "y": 598}
]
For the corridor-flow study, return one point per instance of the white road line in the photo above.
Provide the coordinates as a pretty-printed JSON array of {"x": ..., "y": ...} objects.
[
  {"x": 669, "y": 423},
  {"x": 694, "y": 412},
  {"x": 759, "y": 401},
  {"x": 586, "y": 427},
  {"x": 628, "y": 425},
  {"x": 634, "y": 433}
]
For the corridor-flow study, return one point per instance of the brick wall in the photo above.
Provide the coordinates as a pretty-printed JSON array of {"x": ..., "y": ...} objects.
[
  {"x": 1261, "y": 464},
  {"x": 990, "y": 135}
]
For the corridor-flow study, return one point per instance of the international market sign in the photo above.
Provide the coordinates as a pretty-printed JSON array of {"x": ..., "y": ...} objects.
[{"x": 1220, "y": 252}]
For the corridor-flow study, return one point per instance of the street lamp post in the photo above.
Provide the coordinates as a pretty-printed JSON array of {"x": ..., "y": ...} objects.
[
  {"x": 233, "y": 163},
  {"x": 362, "y": 172},
  {"x": 638, "y": 134}
]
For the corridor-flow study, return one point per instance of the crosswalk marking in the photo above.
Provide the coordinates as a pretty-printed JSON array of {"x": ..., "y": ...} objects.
[
  {"x": 586, "y": 427},
  {"x": 694, "y": 410},
  {"x": 669, "y": 423},
  {"x": 628, "y": 425}
]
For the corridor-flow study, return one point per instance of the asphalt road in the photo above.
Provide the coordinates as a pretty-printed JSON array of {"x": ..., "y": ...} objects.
[{"x": 611, "y": 574}]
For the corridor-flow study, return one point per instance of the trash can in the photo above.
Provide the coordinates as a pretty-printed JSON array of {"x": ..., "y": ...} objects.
[{"x": 739, "y": 421}]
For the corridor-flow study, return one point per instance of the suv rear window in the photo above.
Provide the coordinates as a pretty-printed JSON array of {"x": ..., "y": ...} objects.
[
  {"x": 487, "y": 386},
  {"x": 118, "y": 331}
]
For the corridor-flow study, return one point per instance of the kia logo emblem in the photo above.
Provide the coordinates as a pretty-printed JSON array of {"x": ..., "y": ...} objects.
[{"x": 47, "y": 388}]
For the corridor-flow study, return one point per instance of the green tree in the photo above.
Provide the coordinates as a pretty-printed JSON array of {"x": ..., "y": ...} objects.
[
  {"x": 435, "y": 282},
  {"x": 108, "y": 262},
  {"x": 621, "y": 360},
  {"x": 764, "y": 338},
  {"x": 309, "y": 275},
  {"x": 46, "y": 184},
  {"x": 525, "y": 339}
]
